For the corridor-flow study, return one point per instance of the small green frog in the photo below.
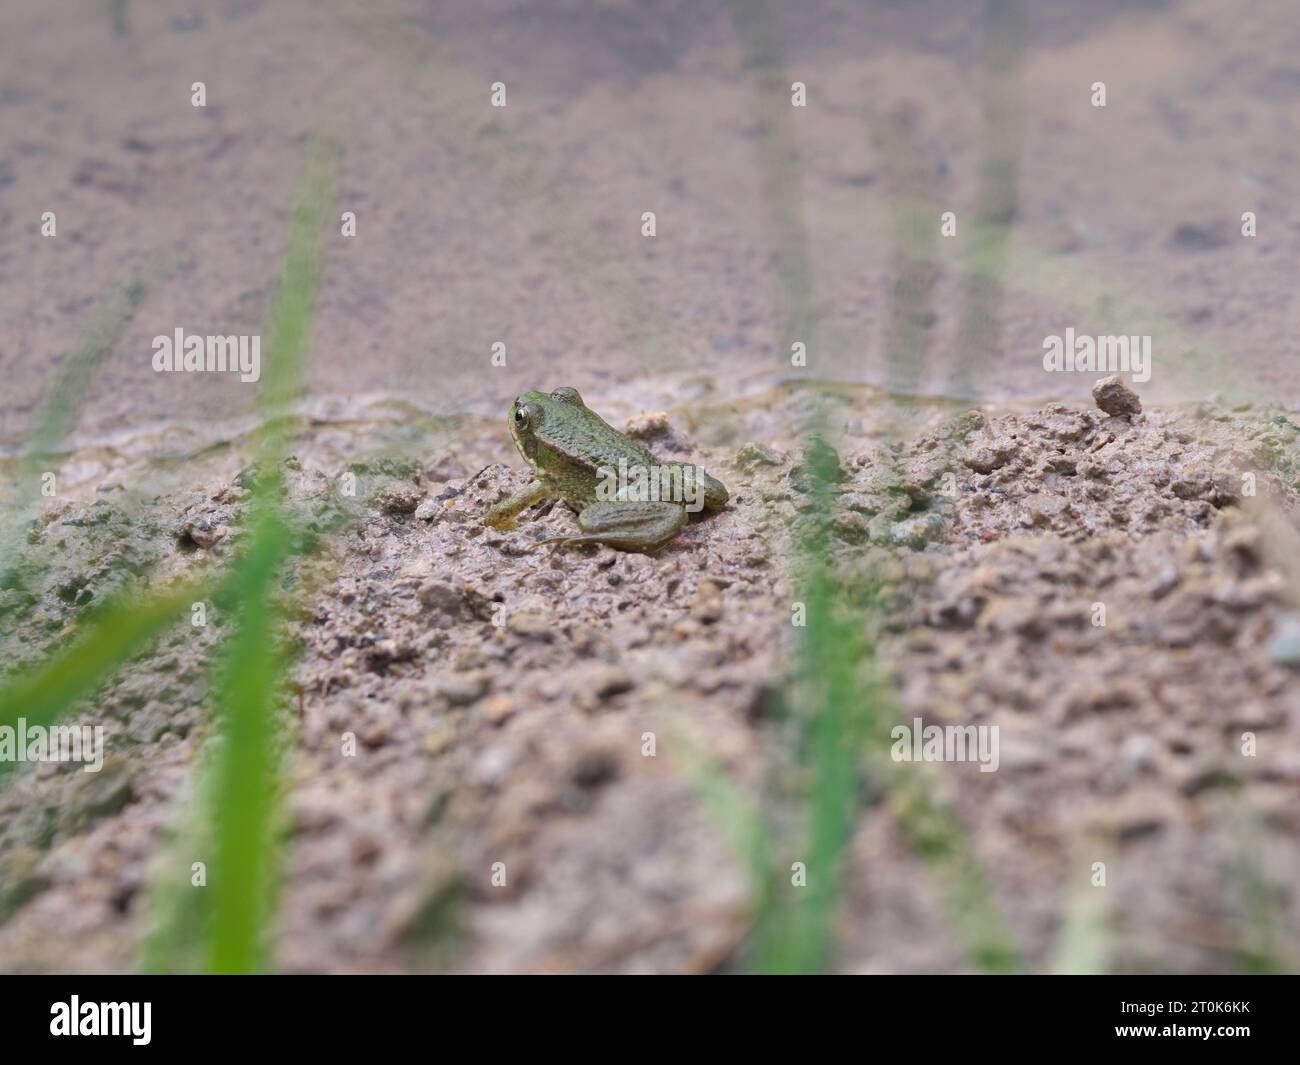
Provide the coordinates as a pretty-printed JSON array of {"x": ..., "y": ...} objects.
[{"x": 623, "y": 495}]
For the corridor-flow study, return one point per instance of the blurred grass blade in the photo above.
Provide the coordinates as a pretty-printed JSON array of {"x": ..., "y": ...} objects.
[
  {"x": 989, "y": 236},
  {"x": 1263, "y": 946},
  {"x": 837, "y": 721},
  {"x": 253, "y": 673},
  {"x": 246, "y": 777},
  {"x": 62, "y": 406},
  {"x": 115, "y": 633},
  {"x": 740, "y": 823},
  {"x": 756, "y": 28},
  {"x": 938, "y": 837},
  {"x": 1083, "y": 943}
]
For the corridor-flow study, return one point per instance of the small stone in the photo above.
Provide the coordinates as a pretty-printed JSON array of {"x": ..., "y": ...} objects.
[
  {"x": 382, "y": 720},
  {"x": 648, "y": 425},
  {"x": 917, "y": 531},
  {"x": 1166, "y": 581},
  {"x": 707, "y": 606},
  {"x": 531, "y": 625},
  {"x": 492, "y": 766},
  {"x": 365, "y": 849},
  {"x": 1192, "y": 236},
  {"x": 755, "y": 454},
  {"x": 610, "y": 680},
  {"x": 1115, "y": 398},
  {"x": 401, "y": 497},
  {"x": 438, "y": 741},
  {"x": 454, "y": 601},
  {"x": 1196, "y": 485},
  {"x": 1253, "y": 714},
  {"x": 1284, "y": 647},
  {"x": 387, "y": 650},
  {"x": 439, "y": 595},
  {"x": 593, "y": 767},
  {"x": 993, "y": 455},
  {"x": 1140, "y": 812},
  {"x": 150, "y": 722},
  {"x": 464, "y": 688},
  {"x": 498, "y": 710},
  {"x": 101, "y": 794},
  {"x": 1138, "y": 753},
  {"x": 199, "y": 532}
]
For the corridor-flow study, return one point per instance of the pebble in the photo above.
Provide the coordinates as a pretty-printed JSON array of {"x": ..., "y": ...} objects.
[
  {"x": 464, "y": 688},
  {"x": 439, "y": 595},
  {"x": 594, "y": 766},
  {"x": 1284, "y": 647},
  {"x": 755, "y": 454},
  {"x": 1115, "y": 398},
  {"x": 707, "y": 605},
  {"x": 200, "y": 532},
  {"x": 993, "y": 455},
  {"x": 401, "y": 497},
  {"x": 648, "y": 425},
  {"x": 609, "y": 680},
  {"x": 531, "y": 625},
  {"x": 498, "y": 710}
]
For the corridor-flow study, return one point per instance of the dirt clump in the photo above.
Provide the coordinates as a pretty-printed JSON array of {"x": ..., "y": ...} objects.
[{"x": 1115, "y": 398}]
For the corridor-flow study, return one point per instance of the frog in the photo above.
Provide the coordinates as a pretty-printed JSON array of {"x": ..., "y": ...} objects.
[{"x": 577, "y": 456}]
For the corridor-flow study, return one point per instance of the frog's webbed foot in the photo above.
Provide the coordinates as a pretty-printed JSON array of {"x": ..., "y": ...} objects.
[{"x": 630, "y": 526}]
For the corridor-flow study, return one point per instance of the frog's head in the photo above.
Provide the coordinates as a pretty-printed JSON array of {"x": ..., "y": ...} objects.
[{"x": 536, "y": 415}]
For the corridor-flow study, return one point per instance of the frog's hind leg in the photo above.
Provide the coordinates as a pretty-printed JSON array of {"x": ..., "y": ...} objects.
[{"x": 631, "y": 526}]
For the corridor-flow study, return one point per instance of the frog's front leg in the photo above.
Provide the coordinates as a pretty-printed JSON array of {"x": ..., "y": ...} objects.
[
  {"x": 501, "y": 516},
  {"x": 631, "y": 526}
]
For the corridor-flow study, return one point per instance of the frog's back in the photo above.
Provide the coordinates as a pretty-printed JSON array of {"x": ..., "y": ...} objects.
[
  {"x": 583, "y": 450},
  {"x": 597, "y": 443}
]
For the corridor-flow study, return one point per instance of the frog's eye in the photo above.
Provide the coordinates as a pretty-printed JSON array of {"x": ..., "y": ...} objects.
[
  {"x": 525, "y": 415},
  {"x": 565, "y": 394}
]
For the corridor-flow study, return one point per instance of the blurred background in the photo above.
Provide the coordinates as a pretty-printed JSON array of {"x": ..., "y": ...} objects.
[{"x": 522, "y": 224}]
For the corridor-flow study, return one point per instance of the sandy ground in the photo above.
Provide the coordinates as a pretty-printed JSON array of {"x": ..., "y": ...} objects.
[{"x": 501, "y": 697}]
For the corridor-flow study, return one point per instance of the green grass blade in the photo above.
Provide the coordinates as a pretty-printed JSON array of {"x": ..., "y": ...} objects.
[
  {"x": 253, "y": 672},
  {"x": 117, "y": 631},
  {"x": 246, "y": 771}
]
